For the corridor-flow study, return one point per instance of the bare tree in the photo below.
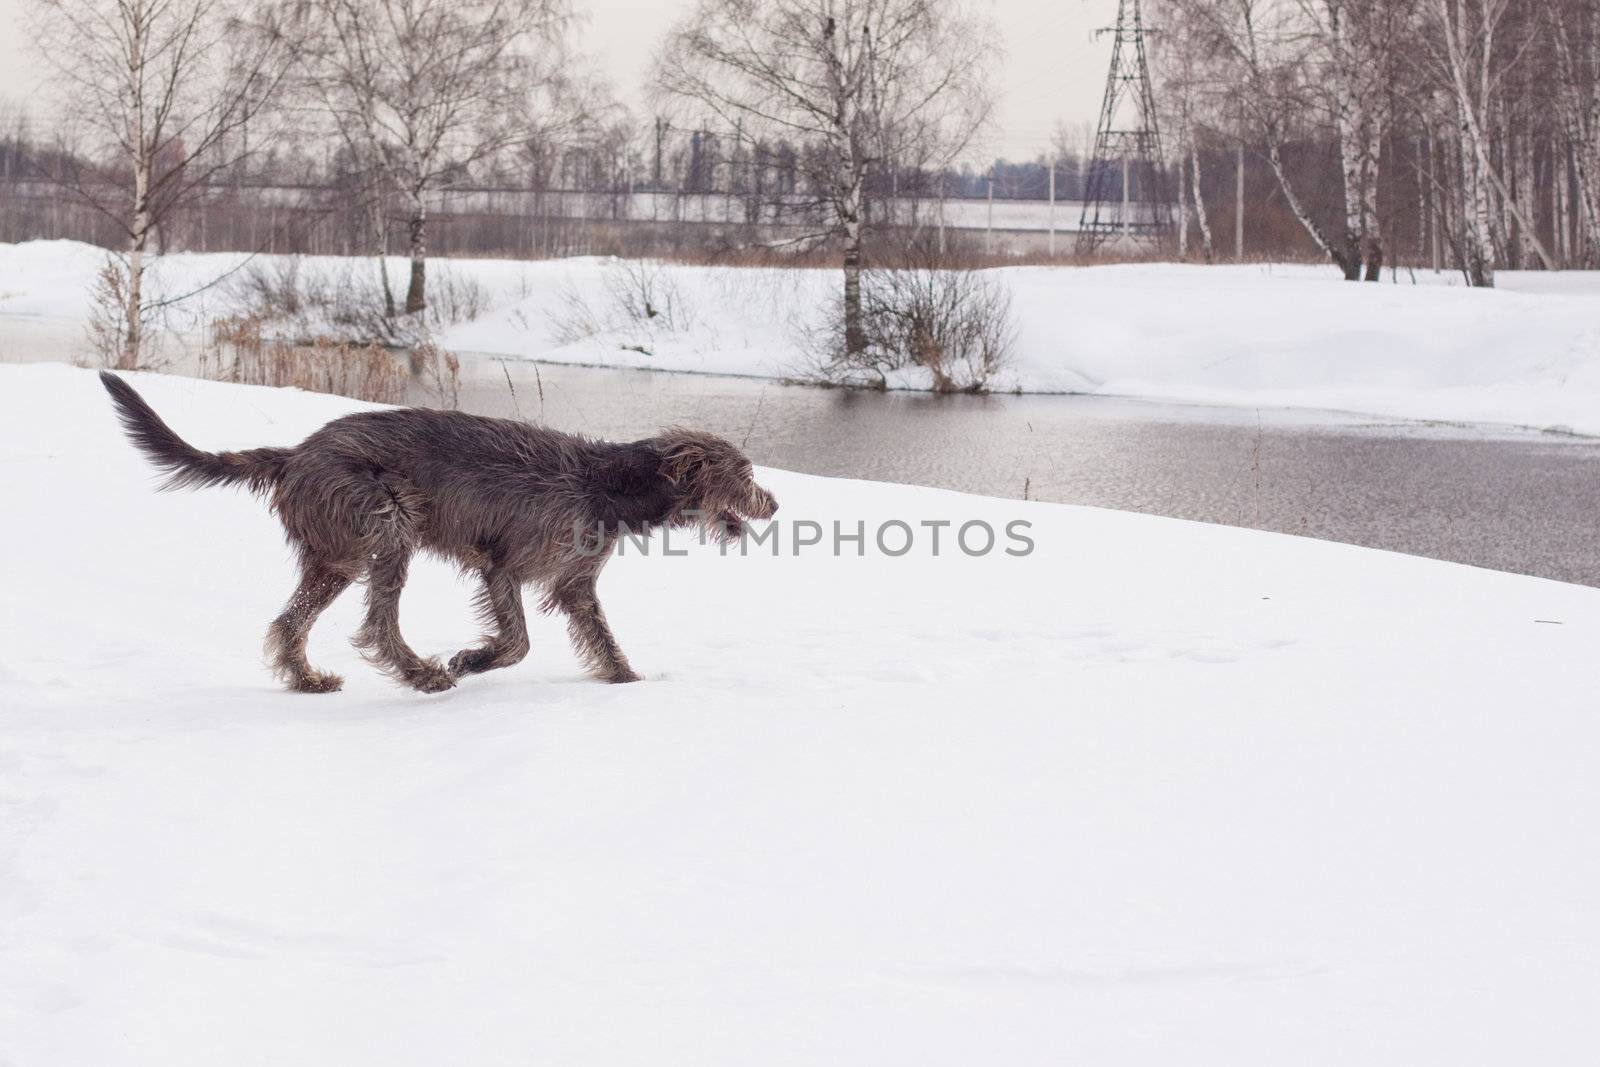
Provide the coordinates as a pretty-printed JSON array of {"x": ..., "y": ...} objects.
[
  {"x": 1349, "y": 72},
  {"x": 1191, "y": 97},
  {"x": 868, "y": 86},
  {"x": 13, "y": 138},
  {"x": 1575, "y": 37},
  {"x": 1290, "y": 64},
  {"x": 423, "y": 90},
  {"x": 1464, "y": 42},
  {"x": 573, "y": 114},
  {"x": 1493, "y": 104},
  {"x": 1255, "y": 48},
  {"x": 1471, "y": 60},
  {"x": 158, "y": 88}
]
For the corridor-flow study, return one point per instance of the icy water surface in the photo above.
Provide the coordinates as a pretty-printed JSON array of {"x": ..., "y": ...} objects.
[
  {"x": 1507, "y": 499},
  {"x": 1511, "y": 500}
]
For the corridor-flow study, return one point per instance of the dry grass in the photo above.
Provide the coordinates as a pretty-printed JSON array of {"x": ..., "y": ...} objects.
[
  {"x": 107, "y": 328},
  {"x": 441, "y": 371},
  {"x": 238, "y": 352}
]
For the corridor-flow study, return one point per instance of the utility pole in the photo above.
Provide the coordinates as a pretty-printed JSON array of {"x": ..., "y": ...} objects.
[
  {"x": 1132, "y": 141},
  {"x": 943, "y": 194},
  {"x": 1238, "y": 205},
  {"x": 660, "y": 128},
  {"x": 732, "y": 176},
  {"x": 988, "y": 227},
  {"x": 1052, "y": 207},
  {"x": 894, "y": 195}
]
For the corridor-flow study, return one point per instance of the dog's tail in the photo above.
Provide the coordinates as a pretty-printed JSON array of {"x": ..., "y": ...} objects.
[{"x": 185, "y": 466}]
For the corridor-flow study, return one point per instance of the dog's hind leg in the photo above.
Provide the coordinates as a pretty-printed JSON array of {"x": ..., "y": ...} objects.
[
  {"x": 591, "y": 635},
  {"x": 286, "y": 637},
  {"x": 379, "y": 637},
  {"x": 499, "y": 602}
]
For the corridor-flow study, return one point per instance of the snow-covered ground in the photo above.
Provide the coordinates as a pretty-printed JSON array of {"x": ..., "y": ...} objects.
[
  {"x": 1527, "y": 354},
  {"x": 1156, "y": 793}
]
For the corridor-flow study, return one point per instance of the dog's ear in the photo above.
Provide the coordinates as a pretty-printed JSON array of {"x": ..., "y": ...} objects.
[
  {"x": 630, "y": 487},
  {"x": 680, "y": 457},
  {"x": 628, "y": 472}
]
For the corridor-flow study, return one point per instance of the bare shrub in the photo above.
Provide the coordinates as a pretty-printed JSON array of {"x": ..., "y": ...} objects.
[
  {"x": 956, "y": 325},
  {"x": 455, "y": 298},
  {"x": 441, "y": 370},
  {"x": 272, "y": 288},
  {"x": 645, "y": 294},
  {"x": 575, "y": 320},
  {"x": 239, "y": 352},
  {"x": 639, "y": 301},
  {"x": 347, "y": 303},
  {"x": 290, "y": 301},
  {"x": 107, "y": 327}
]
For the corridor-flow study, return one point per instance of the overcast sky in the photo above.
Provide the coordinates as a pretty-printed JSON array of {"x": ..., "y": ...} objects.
[{"x": 1053, "y": 69}]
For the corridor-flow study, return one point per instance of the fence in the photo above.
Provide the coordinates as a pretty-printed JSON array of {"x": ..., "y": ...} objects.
[{"x": 532, "y": 223}]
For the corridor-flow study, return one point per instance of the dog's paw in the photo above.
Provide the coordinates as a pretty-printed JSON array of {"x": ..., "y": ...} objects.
[
  {"x": 471, "y": 660},
  {"x": 317, "y": 682},
  {"x": 431, "y": 677},
  {"x": 622, "y": 677}
]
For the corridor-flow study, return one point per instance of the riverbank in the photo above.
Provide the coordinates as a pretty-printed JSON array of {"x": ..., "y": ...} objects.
[
  {"x": 1527, "y": 354},
  {"x": 1155, "y": 792}
]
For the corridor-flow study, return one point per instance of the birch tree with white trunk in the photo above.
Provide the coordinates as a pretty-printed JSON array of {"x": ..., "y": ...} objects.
[
  {"x": 1258, "y": 49},
  {"x": 1348, "y": 69},
  {"x": 870, "y": 85},
  {"x": 159, "y": 88},
  {"x": 1471, "y": 60},
  {"x": 1190, "y": 97},
  {"x": 1574, "y": 27},
  {"x": 427, "y": 89},
  {"x": 1296, "y": 64}
]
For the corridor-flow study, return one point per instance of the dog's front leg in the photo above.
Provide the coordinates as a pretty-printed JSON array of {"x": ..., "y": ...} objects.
[
  {"x": 591, "y": 636},
  {"x": 500, "y": 605},
  {"x": 379, "y": 637}
]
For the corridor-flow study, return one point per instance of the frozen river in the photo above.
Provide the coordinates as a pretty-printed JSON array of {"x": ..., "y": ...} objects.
[{"x": 1511, "y": 500}]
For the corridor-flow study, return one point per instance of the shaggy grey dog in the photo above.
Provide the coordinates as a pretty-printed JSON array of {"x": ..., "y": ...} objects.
[{"x": 513, "y": 503}]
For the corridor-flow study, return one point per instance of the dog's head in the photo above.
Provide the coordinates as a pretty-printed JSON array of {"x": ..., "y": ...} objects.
[{"x": 713, "y": 482}]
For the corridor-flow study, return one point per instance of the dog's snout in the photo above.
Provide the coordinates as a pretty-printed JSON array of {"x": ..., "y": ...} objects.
[{"x": 766, "y": 505}]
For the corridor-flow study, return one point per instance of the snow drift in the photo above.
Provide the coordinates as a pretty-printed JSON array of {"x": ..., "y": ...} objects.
[
  {"x": 1158, "y": 792},
  {"x": 1417, "y": 347}
]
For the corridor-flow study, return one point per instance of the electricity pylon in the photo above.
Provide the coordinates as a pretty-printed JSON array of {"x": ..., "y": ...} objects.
[{"x": 1126, "y": 195}]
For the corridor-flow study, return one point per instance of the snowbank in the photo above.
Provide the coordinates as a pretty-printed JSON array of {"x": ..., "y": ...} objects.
[
  {"x": 1156, "y": 793},
  {"x": 1527, "y": 354}
]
